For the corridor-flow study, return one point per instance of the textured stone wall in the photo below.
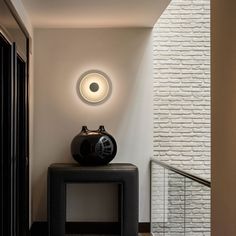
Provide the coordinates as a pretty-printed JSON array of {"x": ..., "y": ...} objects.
[
  {"x": 182, "y": 118},
  {"x": 182, "y": 86}
]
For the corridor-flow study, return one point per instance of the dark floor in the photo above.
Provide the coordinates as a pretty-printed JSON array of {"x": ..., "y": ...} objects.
[
  {"x": 105, "y": 229},
  {"x": 140, "y": 234}
]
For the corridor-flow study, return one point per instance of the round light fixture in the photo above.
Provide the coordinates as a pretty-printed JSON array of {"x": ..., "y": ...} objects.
[{"x": 94, "y": 87}]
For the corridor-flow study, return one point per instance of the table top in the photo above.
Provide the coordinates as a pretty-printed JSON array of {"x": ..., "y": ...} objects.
[{"x": 76, "y": 166}]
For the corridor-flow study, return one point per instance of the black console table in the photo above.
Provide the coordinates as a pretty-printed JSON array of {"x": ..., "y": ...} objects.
[{"x": 125, "y": 175}]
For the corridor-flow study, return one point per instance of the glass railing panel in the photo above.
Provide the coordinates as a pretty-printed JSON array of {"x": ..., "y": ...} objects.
[
  {"x": 158, "y": 202},
  {"x": 174, "y": 224},
  {"x": 180, "y": 202},
  {"x": 197, "y": 209},
  {"x": 167, "y": 202}
]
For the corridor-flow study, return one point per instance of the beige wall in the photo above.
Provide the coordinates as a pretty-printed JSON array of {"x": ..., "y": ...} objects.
[
  {"x": 61, "y": 56},
  {"x": 23, "y": 15},
  {"x": 223, "y": 117}
]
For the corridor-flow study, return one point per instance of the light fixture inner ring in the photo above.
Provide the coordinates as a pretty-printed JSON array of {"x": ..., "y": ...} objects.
[{"x": 94, "y": 87}]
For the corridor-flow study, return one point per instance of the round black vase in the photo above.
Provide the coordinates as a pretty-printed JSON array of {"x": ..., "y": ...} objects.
[{"x": 93, "y": 147}]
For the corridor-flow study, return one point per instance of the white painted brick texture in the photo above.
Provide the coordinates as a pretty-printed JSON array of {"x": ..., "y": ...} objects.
[
  {"x": 182, "y": 117},
  {"x": 182, "y": 86}
]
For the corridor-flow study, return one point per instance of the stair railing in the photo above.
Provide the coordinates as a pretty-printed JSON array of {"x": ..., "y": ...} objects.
[{"x": 180, "y": 202}]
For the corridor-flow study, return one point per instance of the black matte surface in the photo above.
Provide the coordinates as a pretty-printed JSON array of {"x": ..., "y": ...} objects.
[
  {"x": 126, "y": 175},
  {"x": 40, "y": 228}
]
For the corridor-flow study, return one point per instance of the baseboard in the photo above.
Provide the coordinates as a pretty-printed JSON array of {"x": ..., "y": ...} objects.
[
  {"x": 92, "y": 228},
  {"x": 144, "y": 227},
  {"x": 41, "y": 228}
]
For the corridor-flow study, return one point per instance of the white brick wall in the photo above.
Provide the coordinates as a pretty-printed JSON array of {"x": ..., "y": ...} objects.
[
  {"x": 182, "y": 86},
  {"x": 182, "y": 117}
]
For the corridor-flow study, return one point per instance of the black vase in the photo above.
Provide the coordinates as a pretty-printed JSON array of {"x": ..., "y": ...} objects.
[{"x": 93, "y": 147}]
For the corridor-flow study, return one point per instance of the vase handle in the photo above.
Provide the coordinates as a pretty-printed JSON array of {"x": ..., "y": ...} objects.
[
  {"x": 101, "y": 128},
  {"x": 84, "y": 128}
]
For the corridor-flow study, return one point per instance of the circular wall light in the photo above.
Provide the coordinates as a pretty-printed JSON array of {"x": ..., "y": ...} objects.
[{"x": 94, "y": 87}]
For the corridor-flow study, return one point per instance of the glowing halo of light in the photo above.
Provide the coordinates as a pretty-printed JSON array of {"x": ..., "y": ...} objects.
[{"x": 94, "y": 87}]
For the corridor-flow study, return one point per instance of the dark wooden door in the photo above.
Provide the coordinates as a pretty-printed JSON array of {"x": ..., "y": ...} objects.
[
  {"x": 13, "y": 141},
  {"x": 6, "y": 138},
  {"x": 22, "y": 163}
]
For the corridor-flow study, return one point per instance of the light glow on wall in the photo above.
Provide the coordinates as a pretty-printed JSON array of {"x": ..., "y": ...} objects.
[{"x": 94, "y": 87}]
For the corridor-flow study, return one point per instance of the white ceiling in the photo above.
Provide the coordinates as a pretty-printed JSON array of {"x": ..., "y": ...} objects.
[{"x": 94, "y": 13}]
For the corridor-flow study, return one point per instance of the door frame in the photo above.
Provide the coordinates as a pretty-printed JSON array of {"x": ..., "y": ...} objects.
[{"x": 19, "y": 210}]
